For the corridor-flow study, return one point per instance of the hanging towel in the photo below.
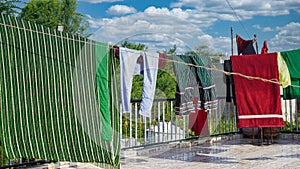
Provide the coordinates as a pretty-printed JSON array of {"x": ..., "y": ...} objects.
[
  {"x": 198, "y": 123},
  {"x": 258, "y": 102},
  {"x": 131, "y": 64},
  {"x": 284, "y": 74},
  {"x": 292, "y": 60}
]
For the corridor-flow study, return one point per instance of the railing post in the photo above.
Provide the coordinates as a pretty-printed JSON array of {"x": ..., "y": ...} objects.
[
  {"x": 163, "y": 126},
  {"x": 145, "y": 128},
  {"x": 235, "y": 118},
  {"x": 291, "y": 117},
  {"x": 136, "y": 124},
  {"x": 171, "y": 112},
  {"x": 158, "y": 123},
  {"x": 130, "y": 128},
  {"x": 184, "y": 127},
  {"x": 121, "y": 124},
  {"x": 296, "y": 115},
  {"x": 229, "y": 117}
]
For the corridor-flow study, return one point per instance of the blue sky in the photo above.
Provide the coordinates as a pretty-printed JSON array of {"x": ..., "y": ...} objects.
[{"x": 192, "y": 23}]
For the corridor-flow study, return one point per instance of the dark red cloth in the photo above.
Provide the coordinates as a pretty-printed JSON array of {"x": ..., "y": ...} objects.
[
  {"x": 265, "y": 48},
  {"x": 116, "y": 51},
  {"x": 198, "y": 123},
  {"x": 258, "y": 102},
  {"x": 244, "y": 47},
  {"x": 162, "y": 60}
]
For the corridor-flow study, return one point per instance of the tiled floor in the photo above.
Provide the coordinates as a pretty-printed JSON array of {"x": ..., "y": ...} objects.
[
  {"x": 213, "y": 153},
  {"x": 236, "y": 153}
]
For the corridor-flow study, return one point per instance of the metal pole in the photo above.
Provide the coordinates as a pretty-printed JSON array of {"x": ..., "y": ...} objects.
[
  {"x": 255, "y": 39},
  {"x": 296, "y": 115},
  {"x": 231, "y": 41}
]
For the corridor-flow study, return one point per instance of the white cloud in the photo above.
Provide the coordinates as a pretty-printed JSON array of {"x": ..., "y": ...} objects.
[
  {"x": 245, "y": 9},
  {"x": 217, "y": 44},
  {"x": 99, "y": 1},
  {"x": 185, "y": 25},
  {"x": 120, "y": 10},
  {"x": 177, "y": 26},
  {"x": 288, "y": 38},
  {"x": 267, "y": 29},
  {"x": 264, "y": 29},
  {"x": 256, "y": 26}
]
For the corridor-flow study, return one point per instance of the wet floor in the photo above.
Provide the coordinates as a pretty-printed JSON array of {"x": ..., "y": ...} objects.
[{"x": 239, "y": 153}]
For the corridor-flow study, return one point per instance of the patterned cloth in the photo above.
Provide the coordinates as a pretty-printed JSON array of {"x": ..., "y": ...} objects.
[
  {"x": 195, "y": 85},
  {"x": 57, "y": 95}
]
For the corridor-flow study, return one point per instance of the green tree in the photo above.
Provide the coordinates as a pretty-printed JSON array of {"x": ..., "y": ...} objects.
[
  {"x": 130, "y": 45},
  {"x": 54, "y": 13},
  {"x": 9, "y": 7}
]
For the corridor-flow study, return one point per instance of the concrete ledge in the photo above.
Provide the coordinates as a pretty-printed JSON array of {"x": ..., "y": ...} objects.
[
  {"x": 289, "y": 136},
  {"x": 144, "y": 151},
  {"x": 147, "y": 150}
]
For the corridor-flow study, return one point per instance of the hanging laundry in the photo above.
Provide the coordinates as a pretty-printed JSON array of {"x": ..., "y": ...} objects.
[
  {"x": 195, "y": 91},
  {"x": 57, "y": 96},
  {"x": 193, "y": 83},
  {"x": 230, "y": 92},
  {"x": 149, "y": 84},
  {"x": 284, "y": 74},
  {"x": 162, "y": 60},
  {"x": 292, "y": 60},
  {"x": 265, "y": 48},
  {"x": 187, "y": 96},
  {"x": 245, "y": 47},
  {"x": 207, "y": 86},
  {"x": 198, "y": 123},
  {"x": 103, "y": 90},
  {"x": 258, "y": 102},
  {"x": 136, "y": 62},
  {"x": 115, "y": 51}
]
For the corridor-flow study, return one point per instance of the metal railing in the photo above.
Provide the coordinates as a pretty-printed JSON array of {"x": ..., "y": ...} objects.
[{"x": 164, "y": 126}]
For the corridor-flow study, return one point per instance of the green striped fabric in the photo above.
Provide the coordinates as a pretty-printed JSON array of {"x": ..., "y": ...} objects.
[{"x": 58, "y": 95}]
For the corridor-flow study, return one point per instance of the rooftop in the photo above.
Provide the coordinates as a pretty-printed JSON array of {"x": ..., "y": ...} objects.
[{"x": 232, "y": 151}]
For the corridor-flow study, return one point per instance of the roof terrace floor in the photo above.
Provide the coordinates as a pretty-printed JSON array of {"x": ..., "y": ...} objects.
[{"x": 238, "y": 152}]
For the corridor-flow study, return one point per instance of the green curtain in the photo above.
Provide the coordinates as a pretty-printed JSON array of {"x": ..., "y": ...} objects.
[{"x": 56, "y": 95}]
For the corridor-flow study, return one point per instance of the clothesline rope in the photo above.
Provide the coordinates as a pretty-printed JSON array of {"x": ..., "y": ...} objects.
[
  {"x": 275, "y": 81},
  {"x": 168, "y": 60}
]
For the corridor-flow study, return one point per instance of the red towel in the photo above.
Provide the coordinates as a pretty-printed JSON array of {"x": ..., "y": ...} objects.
[
  {"x": 258, "y": 102},
  {"x": 198, "y": 123}
]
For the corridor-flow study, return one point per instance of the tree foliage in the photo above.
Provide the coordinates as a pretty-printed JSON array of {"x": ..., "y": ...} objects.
[
  {"x": 54, "y": 13},
  {"x": 205, "y": 51},
  {"x": 9, "y": 7},
  {"x": 130, "y": 45}
]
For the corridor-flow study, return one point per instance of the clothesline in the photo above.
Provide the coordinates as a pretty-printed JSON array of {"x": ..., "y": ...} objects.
[{"x": 168, "y": 60}]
